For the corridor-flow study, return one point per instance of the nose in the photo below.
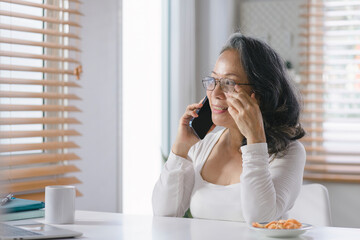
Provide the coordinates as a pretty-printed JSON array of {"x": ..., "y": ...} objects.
[{"x": 218, "y": 92}]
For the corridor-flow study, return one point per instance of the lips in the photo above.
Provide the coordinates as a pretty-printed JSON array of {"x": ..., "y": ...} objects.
[{"x": 218, "y": 109}]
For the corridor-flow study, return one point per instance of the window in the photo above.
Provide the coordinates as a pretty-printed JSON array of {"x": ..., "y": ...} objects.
[
  {"x": 331, "y": 89},
  {"x": 39, "y": 62}
]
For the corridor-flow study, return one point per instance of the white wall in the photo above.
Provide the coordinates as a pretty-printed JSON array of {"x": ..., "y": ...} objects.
[
  {"x": 345, "y": 204},
  {"x": 215, "y": 21},
  {"x": 100, "y": 105}
]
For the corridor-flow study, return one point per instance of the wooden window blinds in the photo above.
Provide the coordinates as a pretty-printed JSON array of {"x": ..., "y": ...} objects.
[
  {"x": 331, "y": 89},
  {"x": 39, "y": 64}
]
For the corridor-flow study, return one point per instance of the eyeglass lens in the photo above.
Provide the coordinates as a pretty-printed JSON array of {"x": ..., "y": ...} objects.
[{"x": 225, "y": 84}]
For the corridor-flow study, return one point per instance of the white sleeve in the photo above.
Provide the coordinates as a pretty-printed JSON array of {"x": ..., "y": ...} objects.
[
  {"x": 268, "y": 191},
  {"x": 172, "y": 192}
]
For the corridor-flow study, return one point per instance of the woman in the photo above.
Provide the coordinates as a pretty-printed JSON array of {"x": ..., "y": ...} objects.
[{"x": 251, "y": 170}]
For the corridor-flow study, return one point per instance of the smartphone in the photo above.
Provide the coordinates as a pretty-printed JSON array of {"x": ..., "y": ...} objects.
[{"x": 202, "y": 124}]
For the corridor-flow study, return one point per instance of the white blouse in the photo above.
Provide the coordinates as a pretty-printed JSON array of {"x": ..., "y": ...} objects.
[{"x": 267, "y": 189}]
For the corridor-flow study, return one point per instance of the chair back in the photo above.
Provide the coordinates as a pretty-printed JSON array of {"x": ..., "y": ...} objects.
[{"x": 312, "y": 205}]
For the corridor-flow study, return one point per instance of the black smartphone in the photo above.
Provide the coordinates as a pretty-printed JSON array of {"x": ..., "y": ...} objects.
[{"x": 202, "y": 124}]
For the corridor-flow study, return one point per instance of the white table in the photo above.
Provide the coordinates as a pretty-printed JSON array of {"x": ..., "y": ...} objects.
[{"x": 101, "y": 225}]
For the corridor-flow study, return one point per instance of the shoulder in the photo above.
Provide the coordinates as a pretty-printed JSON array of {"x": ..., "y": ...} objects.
[
  {"x": 294, "y": 154},
  {"x": 296, "y": 148}
]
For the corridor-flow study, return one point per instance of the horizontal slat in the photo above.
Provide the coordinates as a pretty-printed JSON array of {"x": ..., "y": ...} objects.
[
  {"x": 332, "y": 151},
  {"x": 312, "y": 34},
  {"x": 343, "y": 120},
  {"x": 329, "y": 52},
  {"x": 43, "y": 6},
  {"x": 43, "y": 133},
  {"x": 307, "y": 63},
  {"x": 322, "y": 139},
  {"x": 334, "y": 160},
  {"x": 331, "y": 4},
  {"x": 39, "y": 184},
  {"x": 329, "y": 72},
  {"x": 20, "y": 173},
  {"x": 329, "y": 23},
  {"x": 307, "y": 15},
  {"x": 43, "y": 19},
  {"x": 37, "y": 30},
  {"x": 320, "y": 81},
  {"x": 319, "y": 25},
  {"x": 38, "y": 82},
  {"x": 40, "y": 196},
  {"x": 338, "y": 169},
  {"x": 329, "y": 43},
  {"x": 332, "y": 111},
  {"x": 329, "y": 34},
  {"x": 331, "y": 90},
  {"x": 38, "y": 44},
  {"x": 312, "y": 53},
  {"x": 46, "y": 120},
  {"x": 36, "y": 146},
  {"x": 13, "y": 160},
  {"x": 332, "y": 177},
  {"x": 37, "y": 56},
  {"x": 11, "y": 94},
  {"x": 313, "y": 72},
  {"x": 320, "y": 130},
  {"x": 309, "y": 5},
  {"x": 328, "y": 62},
  {"x": 312, "y": 139},
  {"x": 35, "y": 69},
  {"x": 313, "y": 43},
  {"x": 44, "y": 108},
  {"x": 333, "y": 101}
]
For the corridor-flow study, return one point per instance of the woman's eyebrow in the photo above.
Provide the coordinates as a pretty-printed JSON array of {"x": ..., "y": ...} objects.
[{"x": 227, "y": 74}]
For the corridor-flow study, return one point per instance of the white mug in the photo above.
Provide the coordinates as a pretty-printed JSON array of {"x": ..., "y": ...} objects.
[{"x": 60, "y": 204}]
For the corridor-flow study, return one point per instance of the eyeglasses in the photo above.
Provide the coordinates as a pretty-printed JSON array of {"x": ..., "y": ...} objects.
[{"x": 227, "y": 85}]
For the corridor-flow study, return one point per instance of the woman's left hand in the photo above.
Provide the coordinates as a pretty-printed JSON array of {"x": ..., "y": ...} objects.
[{"x": 246, "y": 113}]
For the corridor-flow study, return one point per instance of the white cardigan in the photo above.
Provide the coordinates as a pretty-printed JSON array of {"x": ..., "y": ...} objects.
[{"x": 266, "y": 190}]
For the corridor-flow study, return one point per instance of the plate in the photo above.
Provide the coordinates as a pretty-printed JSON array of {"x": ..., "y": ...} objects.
[{"x": 281, "y": 233}]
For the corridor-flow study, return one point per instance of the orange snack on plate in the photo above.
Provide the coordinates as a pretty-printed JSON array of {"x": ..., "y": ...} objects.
[{"x": 280, "y": 224}]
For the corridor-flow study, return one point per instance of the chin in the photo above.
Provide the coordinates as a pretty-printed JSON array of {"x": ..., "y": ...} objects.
[{"x": 222, "y": 121}]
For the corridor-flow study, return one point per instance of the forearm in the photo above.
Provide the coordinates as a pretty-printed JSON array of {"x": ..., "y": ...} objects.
[
  {"x": 171, "y": 195},
  {"x": 180, "y": 149},
  {"x": 258, "y": 194},
  {"x": 269, "y": 191}
]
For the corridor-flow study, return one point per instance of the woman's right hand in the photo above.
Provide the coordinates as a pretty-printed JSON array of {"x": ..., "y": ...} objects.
[{"x": 186, "y": 138}]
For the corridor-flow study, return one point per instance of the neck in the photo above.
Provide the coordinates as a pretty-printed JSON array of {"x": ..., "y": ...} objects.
[{"x": 233, "y": 139}]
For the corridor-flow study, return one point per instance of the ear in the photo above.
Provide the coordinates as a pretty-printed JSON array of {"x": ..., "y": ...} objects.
[{"x": 256, "y": 97}]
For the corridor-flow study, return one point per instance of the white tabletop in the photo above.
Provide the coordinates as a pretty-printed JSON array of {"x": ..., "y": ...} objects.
[{"x": 100, "y": 225}]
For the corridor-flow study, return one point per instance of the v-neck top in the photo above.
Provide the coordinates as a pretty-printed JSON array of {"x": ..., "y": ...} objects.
[{"x": 267, "y": 189}]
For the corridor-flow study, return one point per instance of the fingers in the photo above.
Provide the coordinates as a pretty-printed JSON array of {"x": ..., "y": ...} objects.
[
  {"x": 240, "y": 100},
  {"x": 212, "y": 128},
  {"x": 191, "y": 110},
  {"x": 191, "y": 113},
  {"x": 202, "y": 100},
  {"x": 235, "y": 104},
  {"x": 242, "y": 95}
]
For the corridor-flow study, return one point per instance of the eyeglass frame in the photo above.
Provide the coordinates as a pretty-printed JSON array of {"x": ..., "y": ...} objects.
[{"x": 219, "y": 81}]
